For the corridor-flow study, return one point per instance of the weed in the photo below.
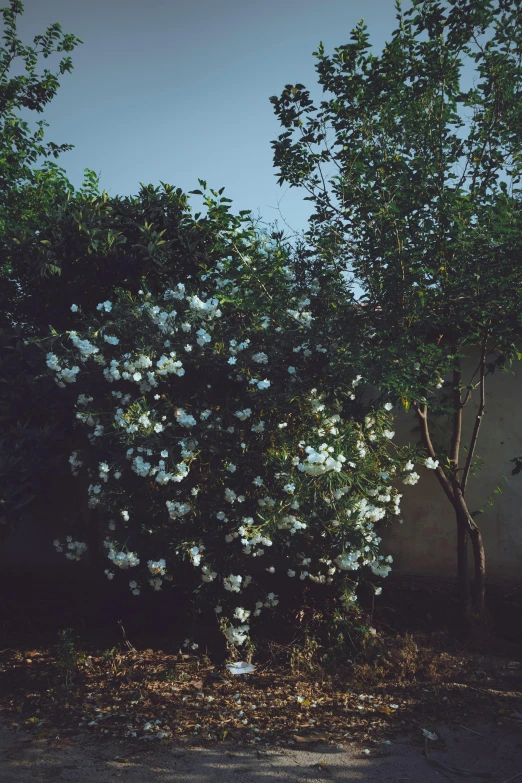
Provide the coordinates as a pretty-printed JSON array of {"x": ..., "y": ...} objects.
[
  {"x": 69, "y": 658},
  {"x": 305, "y": 658}
]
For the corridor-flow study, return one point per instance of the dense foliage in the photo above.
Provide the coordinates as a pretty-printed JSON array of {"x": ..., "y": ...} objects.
[
  {"x": 224, "y": 431},
  {"x": 415, "y": 182}
]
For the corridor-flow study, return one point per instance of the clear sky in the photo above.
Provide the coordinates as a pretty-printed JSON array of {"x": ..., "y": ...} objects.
[{"x": 173, "y": 90}]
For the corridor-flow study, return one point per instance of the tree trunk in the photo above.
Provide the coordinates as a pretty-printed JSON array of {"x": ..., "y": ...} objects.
[
  {"x": 480, "y": 573},
  {"x": 462, "y": 560},
  {"x": 466, "y": 523}
]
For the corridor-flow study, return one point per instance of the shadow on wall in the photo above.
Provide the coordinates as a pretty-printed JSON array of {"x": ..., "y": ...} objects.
[{"x": 426, "y": 543}]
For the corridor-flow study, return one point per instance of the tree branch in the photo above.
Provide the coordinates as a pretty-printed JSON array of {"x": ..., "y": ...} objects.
[
  {"x": 478, "y": 418},
  {"x": 457, "y": 417},
  {"x": 422, "y": 414}
]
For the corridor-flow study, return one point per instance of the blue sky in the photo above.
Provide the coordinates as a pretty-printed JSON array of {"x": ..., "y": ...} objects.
[{"x": 173, "y": 90}]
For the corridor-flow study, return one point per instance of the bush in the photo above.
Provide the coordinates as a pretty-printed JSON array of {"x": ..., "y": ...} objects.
[{"x": 225, "y": 441}]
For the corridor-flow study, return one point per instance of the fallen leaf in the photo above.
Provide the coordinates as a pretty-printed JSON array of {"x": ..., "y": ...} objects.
[{"x": 310, "y": 738}]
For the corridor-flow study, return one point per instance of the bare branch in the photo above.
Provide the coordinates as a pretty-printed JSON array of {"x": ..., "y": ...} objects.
[
  {"x": 422, "y": 414},
  {"x": 457, "y": 417},
  {"x": 478, "y": 418}
]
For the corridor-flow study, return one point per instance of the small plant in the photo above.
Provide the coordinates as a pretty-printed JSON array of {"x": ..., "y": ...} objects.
[
  {"x": 305, "y": 658},
  {"x": 69, "y": 657}
]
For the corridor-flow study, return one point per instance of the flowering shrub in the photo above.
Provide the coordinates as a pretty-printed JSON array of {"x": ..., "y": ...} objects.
[{"x": 223, "y": 433}]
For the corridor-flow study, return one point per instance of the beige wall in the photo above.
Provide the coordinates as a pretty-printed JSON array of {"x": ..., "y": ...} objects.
[{"x": 426, "y": 542}]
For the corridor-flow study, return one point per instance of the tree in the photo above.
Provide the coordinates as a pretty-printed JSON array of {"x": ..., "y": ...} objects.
[
  {"x": 31, "y": 433},
  {"x": 26, "y": 192},
  {"x": 422, "y": 204}
]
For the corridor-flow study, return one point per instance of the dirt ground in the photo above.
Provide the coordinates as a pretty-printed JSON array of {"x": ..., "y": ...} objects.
[
  {"x": 96, "y": 709},
  {"x": 494, "y": 753}
]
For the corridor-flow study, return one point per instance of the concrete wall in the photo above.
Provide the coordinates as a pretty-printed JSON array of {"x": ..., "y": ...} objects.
[{"x": 426, "y": 542}]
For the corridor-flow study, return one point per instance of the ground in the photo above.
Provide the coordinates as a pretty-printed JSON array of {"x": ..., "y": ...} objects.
[
  {"x": 494, "y": 753},
  {"x": 147, "y": 715},
  {"x": 72, "y": 708}
]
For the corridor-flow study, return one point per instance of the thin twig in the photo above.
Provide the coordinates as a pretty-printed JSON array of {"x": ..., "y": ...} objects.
[
  {"x": 518, "y": 775},
  {"x": 471, "y": 730},
  {"x": 129, "y": 645}
]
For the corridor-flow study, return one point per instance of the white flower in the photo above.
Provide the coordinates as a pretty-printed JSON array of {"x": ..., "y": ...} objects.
[
  {"x": 237, "y": 635},
  {"x": 74, "y": 308},
  {"x": 107, "y": 306},
  {"x": 289, "y": 488},
  {"x": 291, "y": 370},
  {"x": 432, "y": 464},
  {"x": 110, "y": 340},
  {"x": 230, "y": 495},
  {"x": 263, "y": 384},
  {"x": 388, "y": 434},
  {"x": 232, "y": 583},
  {"x": 411, "y": 479},
  {"x": 290, "y": 572},
  {"x": 388, "y": 406}
]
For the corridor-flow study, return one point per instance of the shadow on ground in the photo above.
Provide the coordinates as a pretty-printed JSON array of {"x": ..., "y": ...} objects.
[{"x": 491, "y": 750}]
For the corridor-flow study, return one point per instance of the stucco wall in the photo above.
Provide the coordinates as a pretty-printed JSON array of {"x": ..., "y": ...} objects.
[{"x": 426, "y": 542}]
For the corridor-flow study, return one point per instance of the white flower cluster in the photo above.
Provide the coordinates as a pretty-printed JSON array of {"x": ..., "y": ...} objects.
[
  {"x": 157, "y": 567},
  {"x": 123, "y": 560},
  {"x": 237, "y": 636},
  {"x": 85, "y": 347},
  {"x": 75, "y": 549},
  {"x": 185, "y": 419},
  {"x": 320, "y": 461},
  {"x": 177, "y": 509},
  {"x": 63, "y": 374},
  {"x": 75, "y": 463},
  {"x": 232, "y": 583}
]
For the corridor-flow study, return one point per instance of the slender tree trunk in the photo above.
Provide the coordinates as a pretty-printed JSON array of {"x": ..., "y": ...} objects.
[
  {"x": 462, "y": 561},
  {"x": 465, "y": 523},
  {"x": 467, "y": 527},
  {"x": 479, "y": 556}
]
